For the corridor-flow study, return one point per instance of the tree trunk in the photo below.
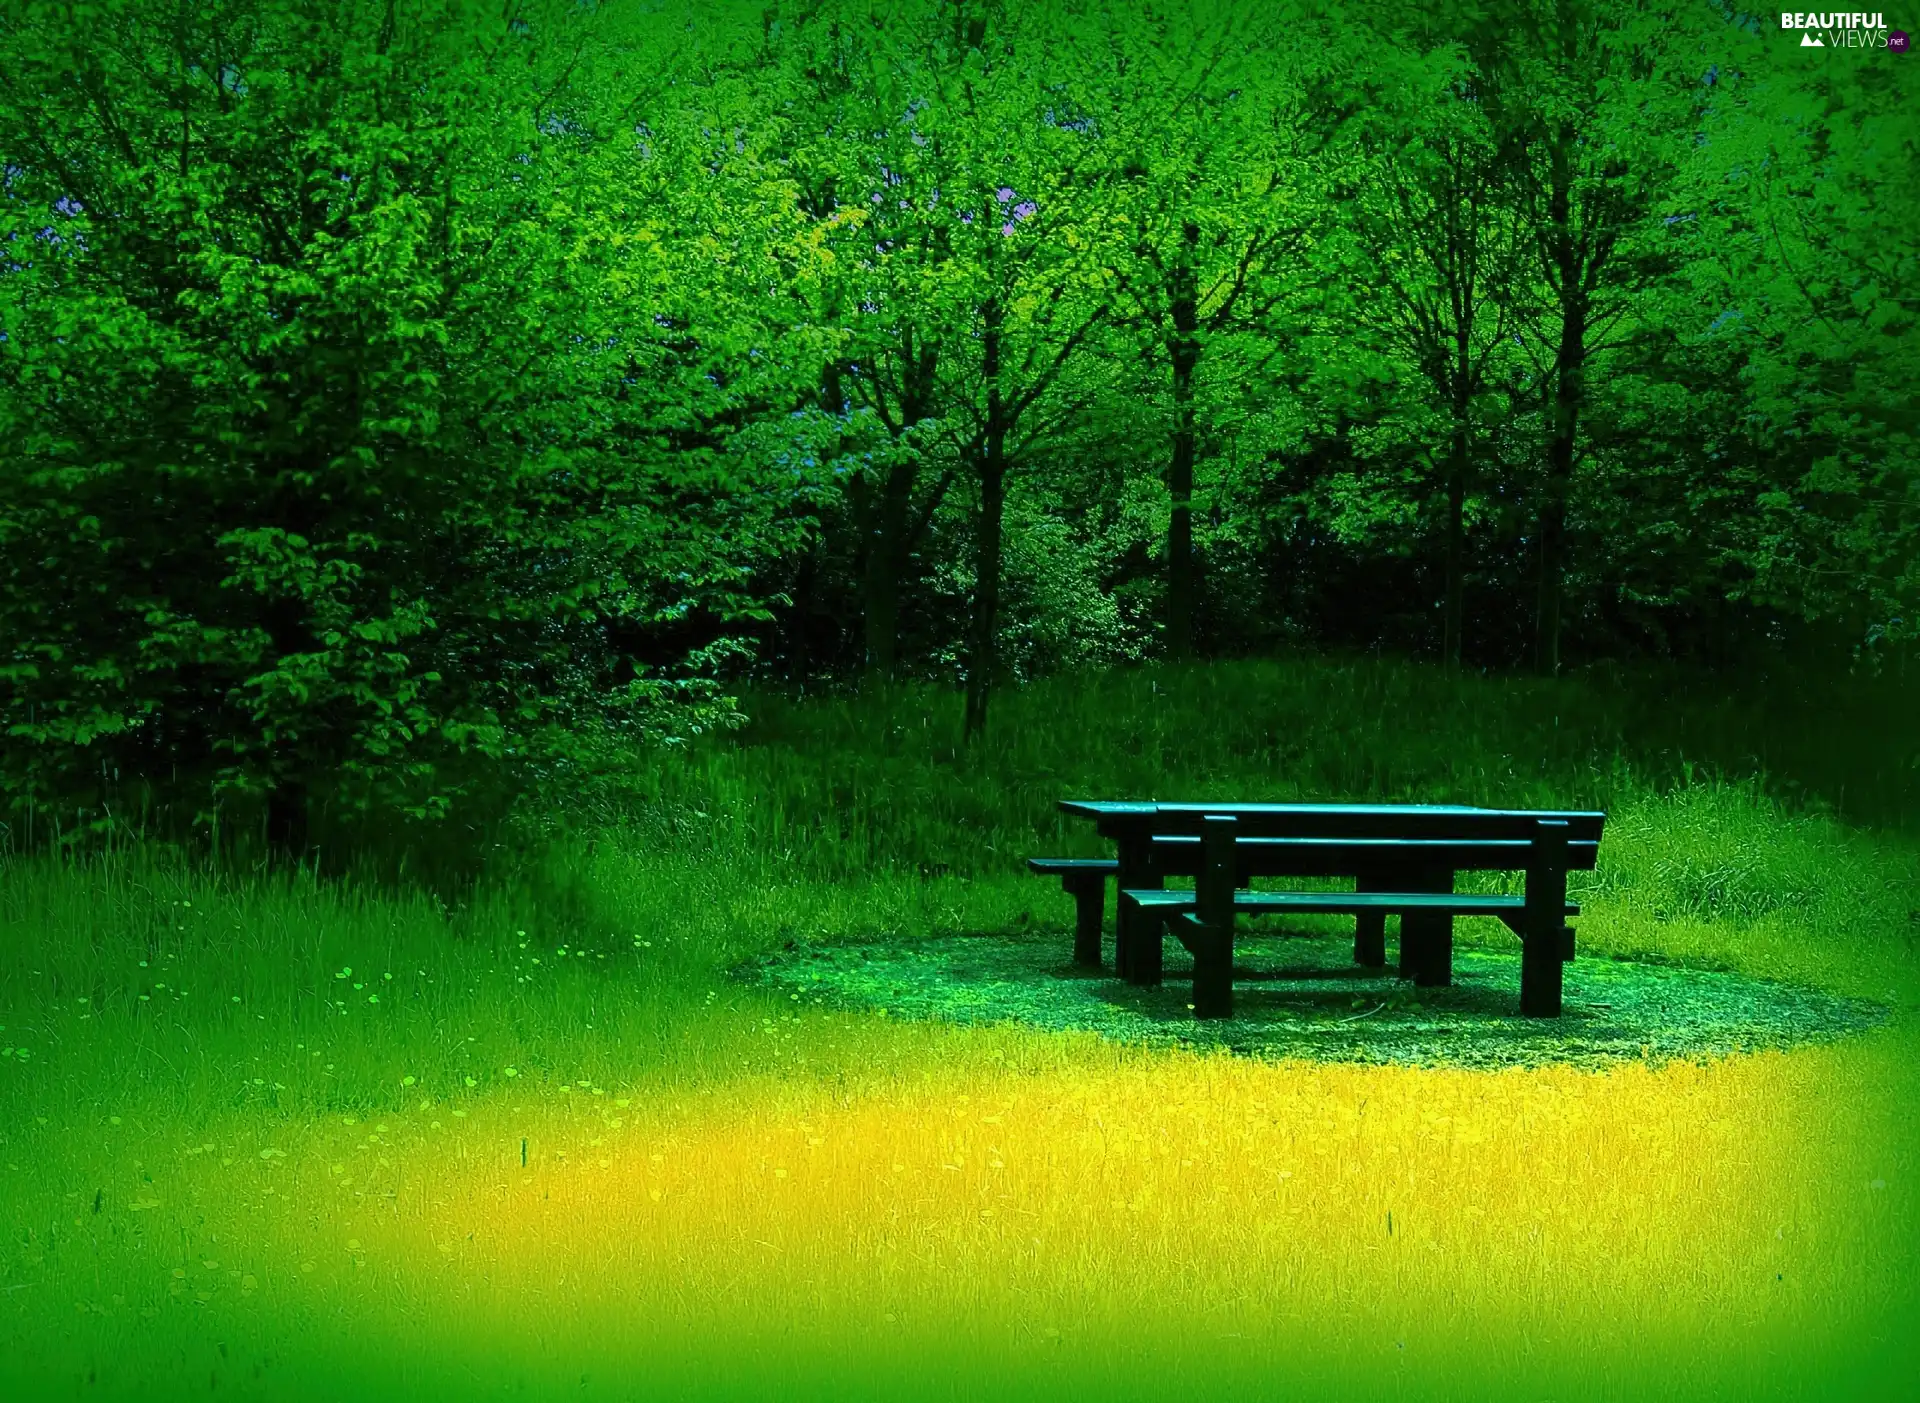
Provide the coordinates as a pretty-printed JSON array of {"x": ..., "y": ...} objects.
[
  {"x": 983, "y": 656},
  {"x": 1553, "y": 520},
  {"x": 1568, "y": 390},
  {"x": 292, "y": 635},
  {"x": 886, "y": 566},
  {"x": 889, "y": 525},
  {"x": 287, "y": 820},
  {"x": 1456, "y": 542},
  {"x": 1184, "y": 353},
  {"x": 881, "y": 586}
]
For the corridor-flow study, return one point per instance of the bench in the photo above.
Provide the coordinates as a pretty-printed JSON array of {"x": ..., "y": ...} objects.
[
  {"x": 1178, "y": 855},
  {"x": 1085, "y": 880},
  {"x": 1403, "y": 860}
]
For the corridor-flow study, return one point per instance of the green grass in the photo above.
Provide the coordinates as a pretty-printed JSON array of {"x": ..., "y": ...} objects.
[
  {"x": 730, "y": 1192},
  {"x": 844, "y": 785},
  {"x": 1300, "y": 995}
]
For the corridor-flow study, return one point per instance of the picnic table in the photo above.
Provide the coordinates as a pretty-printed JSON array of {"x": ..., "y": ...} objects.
[{"x": 1403, "y": 860}]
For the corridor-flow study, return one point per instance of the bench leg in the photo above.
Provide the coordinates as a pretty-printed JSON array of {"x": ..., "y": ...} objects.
[
  {"x": 1369, "y": 931},
  {"x": 1416, "y": 940},
  {"x": 1370, "y": 940},
  {"x": 1542, "y": 964},
  {"x": 1138, "y": 938},
  {"x": 1437, "y": 969},
  {"x": 1089, "y": 910},
  {"x": 1213, "y": 973}
]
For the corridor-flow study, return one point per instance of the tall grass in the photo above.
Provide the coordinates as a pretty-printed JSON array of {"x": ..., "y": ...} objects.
[
  {"x": 844, "y": 786},
  {"x": 267, "y": 1134}
]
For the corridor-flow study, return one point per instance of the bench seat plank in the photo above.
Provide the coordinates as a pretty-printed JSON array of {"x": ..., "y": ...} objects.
[
  {"x": 1179, "y": 909},
  {"x": 1343, "y": 903},
  {"x": 1197, "y": 936}
]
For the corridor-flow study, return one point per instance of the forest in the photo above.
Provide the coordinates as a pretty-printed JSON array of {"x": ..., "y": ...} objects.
[
  {"x": 409, "y": 408},
  {"x": 559, "y": 557}
]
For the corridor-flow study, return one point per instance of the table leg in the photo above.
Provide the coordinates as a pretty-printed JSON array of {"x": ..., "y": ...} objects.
[
  {"x": 1137, "y": 933},
  {"x": 1211, "y": 940},
  {"x": 1542, "y": 977},
  {"x": 1369, "y": 928},
  {"x": 1089, "y": 907},
  {"x": 1426, "y": 938},
  {"x": 1544, "y": 944},
  {"x": 1149, "y": 942},
  {"x": 1213, "y": 972}
]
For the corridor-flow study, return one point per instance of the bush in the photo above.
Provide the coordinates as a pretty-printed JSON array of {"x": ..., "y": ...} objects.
[{"x": 352, "y": 455}]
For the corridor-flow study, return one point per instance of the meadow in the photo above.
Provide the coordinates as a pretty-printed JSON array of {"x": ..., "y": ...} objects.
[{"x": 294, "y": 1135}]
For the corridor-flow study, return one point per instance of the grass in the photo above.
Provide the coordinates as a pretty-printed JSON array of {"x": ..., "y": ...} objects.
[
  {"x": 268, "y": 1136},
  {"x": 1301, "y": 995}
]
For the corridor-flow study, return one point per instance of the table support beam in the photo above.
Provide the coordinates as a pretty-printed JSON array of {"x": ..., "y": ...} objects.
[
  {"x": 1426, "y": 939},
  {"x": 1212, "y": 945},
  {"x": 1370, "y": 927},
  {"x": 1137, "y": 934},
  {"x": 1543, "y": 945}
]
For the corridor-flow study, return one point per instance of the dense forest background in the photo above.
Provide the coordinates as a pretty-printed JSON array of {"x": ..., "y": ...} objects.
[{"x": 410, "y": 409}]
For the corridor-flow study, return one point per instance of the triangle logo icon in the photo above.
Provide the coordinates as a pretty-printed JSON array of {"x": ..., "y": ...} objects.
[{"x": 1807, "y": 41}]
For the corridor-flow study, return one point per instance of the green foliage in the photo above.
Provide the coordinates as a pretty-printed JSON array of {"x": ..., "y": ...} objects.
[
  {"x": 362, "y": 440},
  {"x": 408, "y": 410},
  {"x": 1809, "y": 188}
]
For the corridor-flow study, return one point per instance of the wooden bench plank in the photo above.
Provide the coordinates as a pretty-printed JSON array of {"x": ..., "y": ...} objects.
[
  {"x": 1187, "y": 922},
  {"x": 1178, "y": 855},
  {"x": 1432, "y": 827},
  {"x": 1345, "y": 903},
  {"x": 1426, "y": 954}
]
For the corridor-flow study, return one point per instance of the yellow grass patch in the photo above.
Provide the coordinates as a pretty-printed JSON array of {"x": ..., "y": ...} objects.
[{"x": 1677, "y": 1219}]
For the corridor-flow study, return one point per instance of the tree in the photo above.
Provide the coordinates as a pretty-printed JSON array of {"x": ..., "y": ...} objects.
[
  {"x": 354, "y": 454},
  {"x": 1032, "y": 287},
  {"x": 1429, "y": 218},
  {"x": 1594, "y": 108},
  {"x": 1215, "y": 161},
  {"x": 862, "y": 170},
  {"x": 1806, "y": 185}
]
